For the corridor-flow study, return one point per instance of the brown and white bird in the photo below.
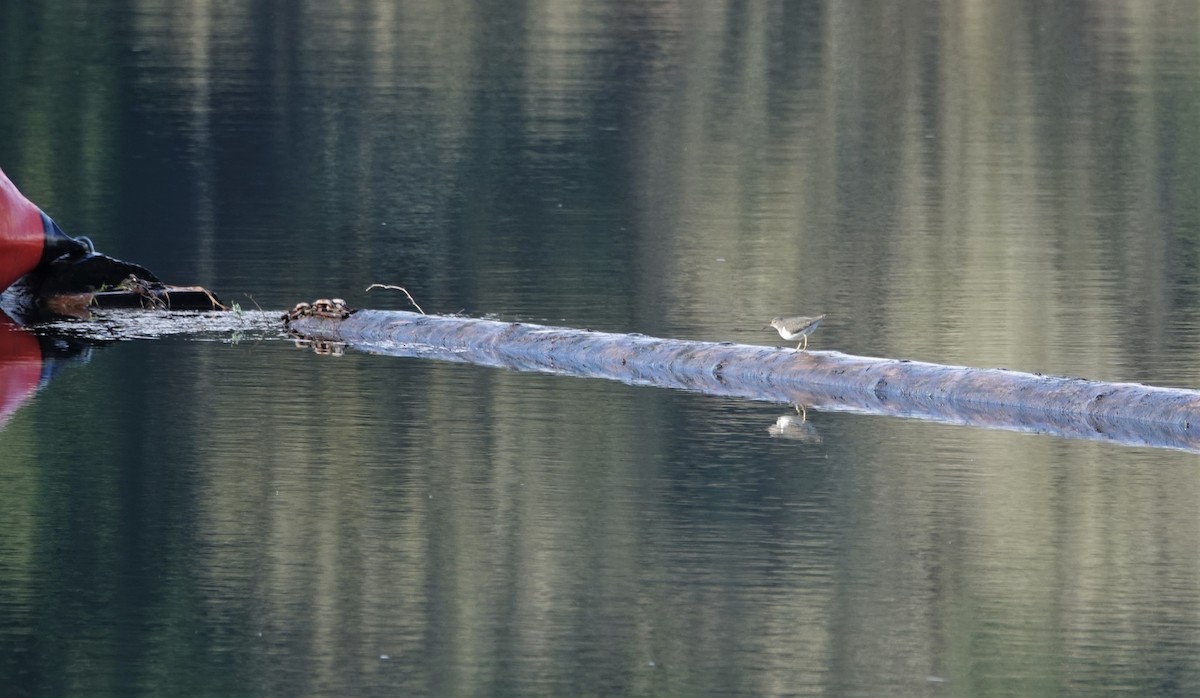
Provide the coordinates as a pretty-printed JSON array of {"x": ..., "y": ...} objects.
[{"x": 798, "y": 327}]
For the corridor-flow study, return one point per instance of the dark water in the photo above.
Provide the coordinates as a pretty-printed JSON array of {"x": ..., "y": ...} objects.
[{"x": 988, "y": 184}]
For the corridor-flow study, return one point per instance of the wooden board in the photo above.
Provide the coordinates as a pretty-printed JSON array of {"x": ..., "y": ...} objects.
[{"x": 165, "y": 298}]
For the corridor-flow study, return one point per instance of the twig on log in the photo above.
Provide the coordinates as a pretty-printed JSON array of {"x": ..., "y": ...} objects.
[{"x": 397, "y": 288}]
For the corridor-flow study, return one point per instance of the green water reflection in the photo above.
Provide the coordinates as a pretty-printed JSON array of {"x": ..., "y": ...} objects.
[
  {"x": 374, "y": 526},
  {"x": 990, "y": 184}
]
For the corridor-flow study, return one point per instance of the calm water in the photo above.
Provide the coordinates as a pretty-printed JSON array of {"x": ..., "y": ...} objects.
[{"x": 988, "y": 184}]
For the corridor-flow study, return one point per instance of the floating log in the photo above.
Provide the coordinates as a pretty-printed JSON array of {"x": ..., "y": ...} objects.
[{"x": 1126, "y": 413}]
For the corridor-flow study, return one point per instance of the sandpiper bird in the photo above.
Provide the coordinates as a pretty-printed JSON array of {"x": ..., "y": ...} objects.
[{"x": 797, "y": 327}]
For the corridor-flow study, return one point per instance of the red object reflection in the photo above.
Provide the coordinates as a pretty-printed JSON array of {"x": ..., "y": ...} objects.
[{"x": 20, "y": 367}]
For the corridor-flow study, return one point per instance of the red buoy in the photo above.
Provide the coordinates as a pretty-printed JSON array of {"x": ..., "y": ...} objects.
[
  {"x": 22, "y": 233},
  {"x": 29, "y": 238}
]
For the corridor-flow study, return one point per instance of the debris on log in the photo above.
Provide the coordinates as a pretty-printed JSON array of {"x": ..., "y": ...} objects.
[
  {"x": 165, "y": 297},
  {"x": 1125, "y": 413},
  {"x": 76, "y": 288}
]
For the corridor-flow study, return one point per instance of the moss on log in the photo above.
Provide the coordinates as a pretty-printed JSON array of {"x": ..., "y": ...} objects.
[{"x": 1126, "y": 413}]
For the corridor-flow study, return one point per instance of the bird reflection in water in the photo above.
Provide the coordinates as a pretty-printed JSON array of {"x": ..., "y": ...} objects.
[{"x": 795, "y": 427}]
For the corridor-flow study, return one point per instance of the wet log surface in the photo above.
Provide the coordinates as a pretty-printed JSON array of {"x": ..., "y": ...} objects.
[
  {"x": 1126, "y": 413},
  {"x": 124, "y": 325}
]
